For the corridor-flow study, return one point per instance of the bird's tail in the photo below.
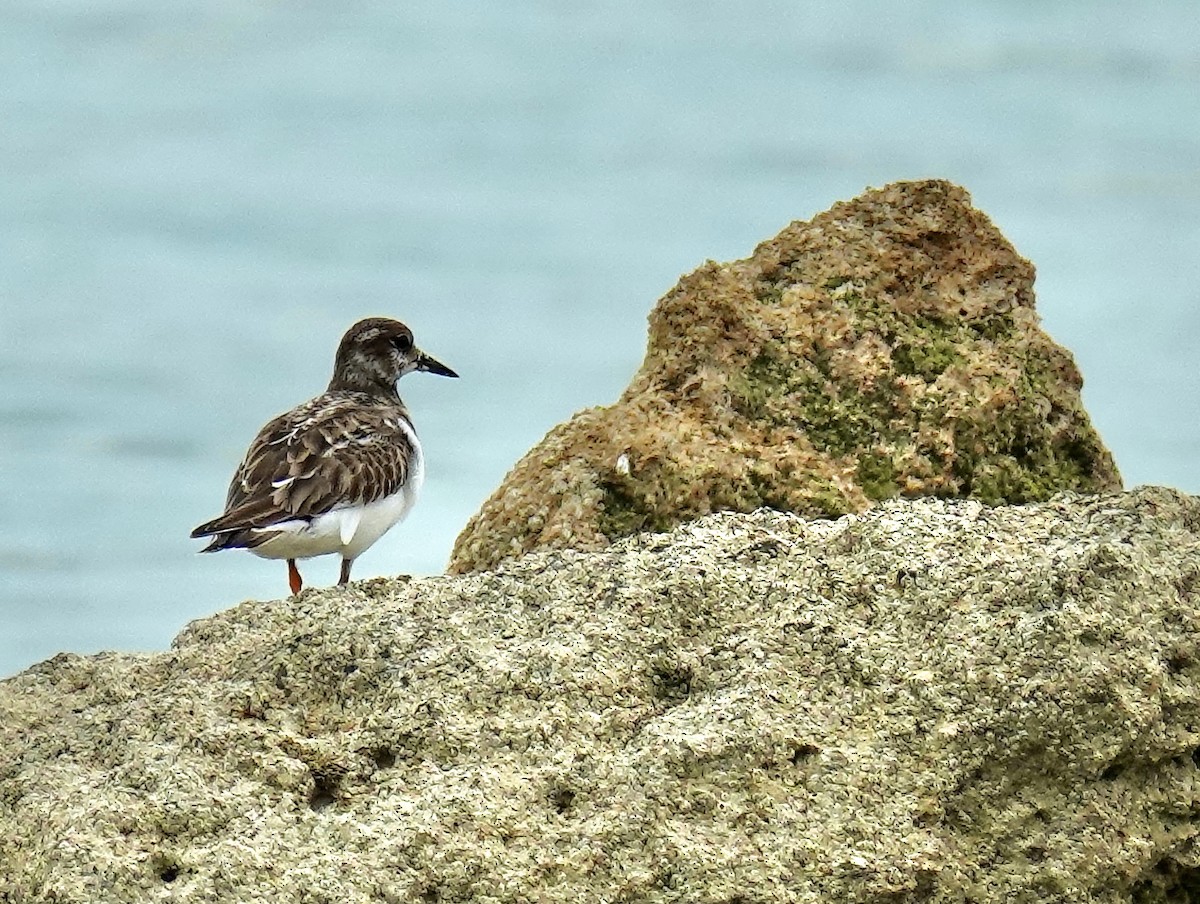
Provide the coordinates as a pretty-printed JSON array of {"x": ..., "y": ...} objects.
[
  {"x": 241, "y": 527},
  {"x": 221, "y": 534}
]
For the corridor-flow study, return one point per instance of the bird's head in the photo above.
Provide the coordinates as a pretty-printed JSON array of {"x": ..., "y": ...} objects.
[{"x": 377, "y": 352}]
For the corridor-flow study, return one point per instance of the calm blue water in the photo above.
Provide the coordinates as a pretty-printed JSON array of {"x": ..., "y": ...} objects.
[{"x": 197, "y": 199}]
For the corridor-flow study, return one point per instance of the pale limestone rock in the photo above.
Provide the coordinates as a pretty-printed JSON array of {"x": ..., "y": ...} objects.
[{"x": 934, "y": 700}]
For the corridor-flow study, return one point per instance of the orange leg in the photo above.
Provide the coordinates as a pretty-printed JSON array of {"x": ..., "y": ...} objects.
[
  {"x": 345, "y": 577},
  {"x": 294, "y": 577}
]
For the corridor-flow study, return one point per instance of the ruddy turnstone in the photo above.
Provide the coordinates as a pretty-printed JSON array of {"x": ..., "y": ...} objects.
[{"x": 334, "y": 474}]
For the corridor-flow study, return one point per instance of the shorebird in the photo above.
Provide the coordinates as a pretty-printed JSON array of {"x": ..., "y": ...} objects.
[{"x": 335, "y": 473}]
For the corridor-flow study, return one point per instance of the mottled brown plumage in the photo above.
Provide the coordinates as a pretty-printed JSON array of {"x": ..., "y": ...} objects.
[
  {"x": 341, "y": 447},
  {"x": 332, "y": 474}
]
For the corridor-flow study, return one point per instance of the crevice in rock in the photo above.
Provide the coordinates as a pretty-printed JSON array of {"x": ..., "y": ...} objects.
[
  {"x": 167, "y": 868},
  {"x": 326, "y": 784},
  {"x": 1113, "y": 771},
  {"x": 1179, "y": 661},
  {"x": 562, "y": 799},
  {"x": 1168, "y": 882},
  {"x": 803, "y": 753},
  {"x": 672, "y": 681}
]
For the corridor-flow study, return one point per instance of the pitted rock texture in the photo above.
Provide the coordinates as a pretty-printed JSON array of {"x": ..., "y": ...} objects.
[
  {"x": 932, "y": 701},
  {"x": 889, "y": 347}
]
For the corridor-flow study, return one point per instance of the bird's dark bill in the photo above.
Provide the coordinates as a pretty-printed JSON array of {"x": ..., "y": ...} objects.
[{"x": 433, "y": 366}]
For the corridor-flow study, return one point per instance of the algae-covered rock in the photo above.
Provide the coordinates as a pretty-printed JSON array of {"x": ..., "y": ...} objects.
[
  {"x": 932, "y": 701},
  {"x": 889, "y": 347}
]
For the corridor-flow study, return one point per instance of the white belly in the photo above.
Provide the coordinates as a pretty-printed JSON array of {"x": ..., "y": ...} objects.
[{"x": 346, "y": 530}]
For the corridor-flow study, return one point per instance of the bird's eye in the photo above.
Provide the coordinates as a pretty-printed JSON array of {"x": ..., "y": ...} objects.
[{"x": 403, "y": 343}]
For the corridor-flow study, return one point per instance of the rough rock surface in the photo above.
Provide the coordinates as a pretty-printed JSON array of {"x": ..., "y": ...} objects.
[
  {"x": 888, "y": 347},
  {"x": 932, "y": 701}
]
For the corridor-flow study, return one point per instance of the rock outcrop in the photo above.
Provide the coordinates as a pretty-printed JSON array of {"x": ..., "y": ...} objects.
[
  {"x": 935, "y": 700},
  {"x": 889, "y": 347}
]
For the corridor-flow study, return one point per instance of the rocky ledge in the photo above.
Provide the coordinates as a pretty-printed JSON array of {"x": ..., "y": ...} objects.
[{"x": 934, "y": 700}]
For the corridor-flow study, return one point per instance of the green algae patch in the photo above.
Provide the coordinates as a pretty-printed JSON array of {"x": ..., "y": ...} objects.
[
  {"x": 877, "y": 476},
  {"x": 928, "y": 361},
  {"x": 624, "y": 511}
]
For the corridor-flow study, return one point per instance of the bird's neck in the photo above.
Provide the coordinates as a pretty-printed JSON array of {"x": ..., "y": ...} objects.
[{"x": 351, "y": 381}]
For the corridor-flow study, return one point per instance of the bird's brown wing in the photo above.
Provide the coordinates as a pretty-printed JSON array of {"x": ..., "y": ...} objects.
[{"x": 330, "y": 451}]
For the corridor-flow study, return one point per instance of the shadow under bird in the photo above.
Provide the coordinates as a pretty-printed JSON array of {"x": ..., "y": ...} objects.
[{"x": 334, "y": 474}]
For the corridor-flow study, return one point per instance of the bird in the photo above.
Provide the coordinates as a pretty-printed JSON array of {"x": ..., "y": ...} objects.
[{"x": 334, "y": 474}]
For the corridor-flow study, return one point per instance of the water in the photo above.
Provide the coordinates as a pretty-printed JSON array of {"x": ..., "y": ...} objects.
[{"x": 197, "y": 199}]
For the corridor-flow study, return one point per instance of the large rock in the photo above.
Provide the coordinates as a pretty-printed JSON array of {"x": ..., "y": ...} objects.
[
  {"x": 889, "y": 347},
  {"x": 932, "y": 701}
]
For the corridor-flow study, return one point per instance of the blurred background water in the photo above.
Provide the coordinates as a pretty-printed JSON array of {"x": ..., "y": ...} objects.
[{"x": 196, "y": 199}]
